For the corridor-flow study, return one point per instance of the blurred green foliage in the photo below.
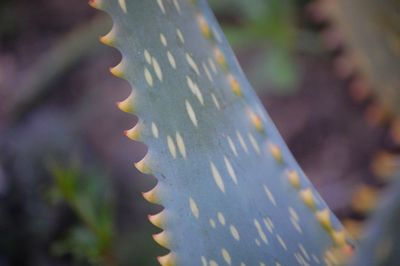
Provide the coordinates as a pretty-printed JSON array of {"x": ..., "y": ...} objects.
[
  {"x": 89, "y": 198},
  {"x": 269, "y": 25}
]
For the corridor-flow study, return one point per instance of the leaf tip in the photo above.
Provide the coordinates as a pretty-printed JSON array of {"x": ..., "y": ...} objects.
[
  {"x": 256, "y": 121},
  {"x": 339, "y": 237},
  {"x": 324, "y": 218},
  {"x": 167, "y": 260},
  {"x": 127, "y": 105},
  {"x": 157, "y": 219},
  {"x": 308, "y": 197},
  {"x": 144, "y": 165},
  {"x": 152, "y": 195},
  {"x": 220, "y": 58},
  {"x": 234, "y": 85},
  {"x": 275, "y": 152},
  {"x": 203, "y": 25},
  {"x": 109, "y": 38},
  {"x": 118, "y": 70},
  {"x": 294, "y": 179},
  {"x": 134, "y": 132},
  {"x": 162, "y": 239},
  {"x": 95, "y": 4}
]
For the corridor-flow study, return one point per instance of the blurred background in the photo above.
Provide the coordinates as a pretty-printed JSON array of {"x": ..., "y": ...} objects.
[{"x": 69, "y": 194}]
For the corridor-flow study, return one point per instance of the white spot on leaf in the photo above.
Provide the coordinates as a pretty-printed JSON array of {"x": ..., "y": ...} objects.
[
  {"x": 280, "y": 240},
  {"x": 296, "y": 225},
  {"x": 122, "y": 4},
  {"x": 234, "y": 232},
  {"x": 203, "y": 261},
  {"x": 161, "y": 5},
  {"x": 154, "y": 130},
  {"x": 148, "y": 77},
  {"x": 304, "y": 251},
  {"x": 213, "y": 263},
  {"x": 315, "y": 258},
  {"x": 221, "y": 218},
  {"x": 194, "y": 88},
  {"x": 268, "y": 223},
  {"x": 217, "y": 177},
  {"x": 241, "y": 141},
  {"x": 260, "y": 232},
  {"x": 191, "y": 113},
  {"x": 207, "y": 71},
  {"x": 171, "y": 146},
  {"x": 270, "y": 195},
  {"x": 147, "y": 56},
  {"x": 192, "y": 64},
  {"x": 194, "y": 208},
  {"x": 181, "y": 145},
  {"x": 230, "y": 170},
  {"x": 180, "y": 36},
  {"x": 171, "y": 60},
  {"x": 232, "y": 146},
  {"x": 226, "y": 256},
  {"x": 212, "y": 223},
  {"x": 177, "y": 6},
  {"x": 163, "y": 39},
  {"x": 254, "y": 143},
  {"x": 293, "y": 214},
  {"x": 215, "y": 100},
  {"x": 157, "y": 69},
  {"x": 212, "y": 65}
]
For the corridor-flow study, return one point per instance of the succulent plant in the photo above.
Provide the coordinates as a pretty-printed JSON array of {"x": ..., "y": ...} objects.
[
  {"x": 370, "y": 34},
  {"x": 365, "y": 39},
  {"x": 381, "y": 244},
  {"x": 231, "y": 190}
]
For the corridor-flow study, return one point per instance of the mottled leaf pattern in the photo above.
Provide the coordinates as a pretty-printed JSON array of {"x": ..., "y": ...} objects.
[{"x": 232, "y": 192}]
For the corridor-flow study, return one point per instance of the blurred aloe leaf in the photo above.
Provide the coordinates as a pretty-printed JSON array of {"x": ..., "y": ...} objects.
[
  {"x": 232, "y": 192},
  {"x": 370, "y": 32},
  {"x": 380, "y": 245}
]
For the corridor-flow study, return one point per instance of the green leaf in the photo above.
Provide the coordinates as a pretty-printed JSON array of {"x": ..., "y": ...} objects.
[
  {"x": 232, "y": 193},
  {"x": 88, "y": 196}
]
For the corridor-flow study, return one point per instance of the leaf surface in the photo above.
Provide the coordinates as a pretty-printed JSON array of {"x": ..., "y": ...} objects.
[{"x": 232, "y": 192}]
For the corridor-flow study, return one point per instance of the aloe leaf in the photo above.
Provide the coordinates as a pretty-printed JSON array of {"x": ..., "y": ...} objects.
[
  {"x": 370, "y": 30},
  {"x": 232, "y": 192},
  {"x": 381, "y": 245}
]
